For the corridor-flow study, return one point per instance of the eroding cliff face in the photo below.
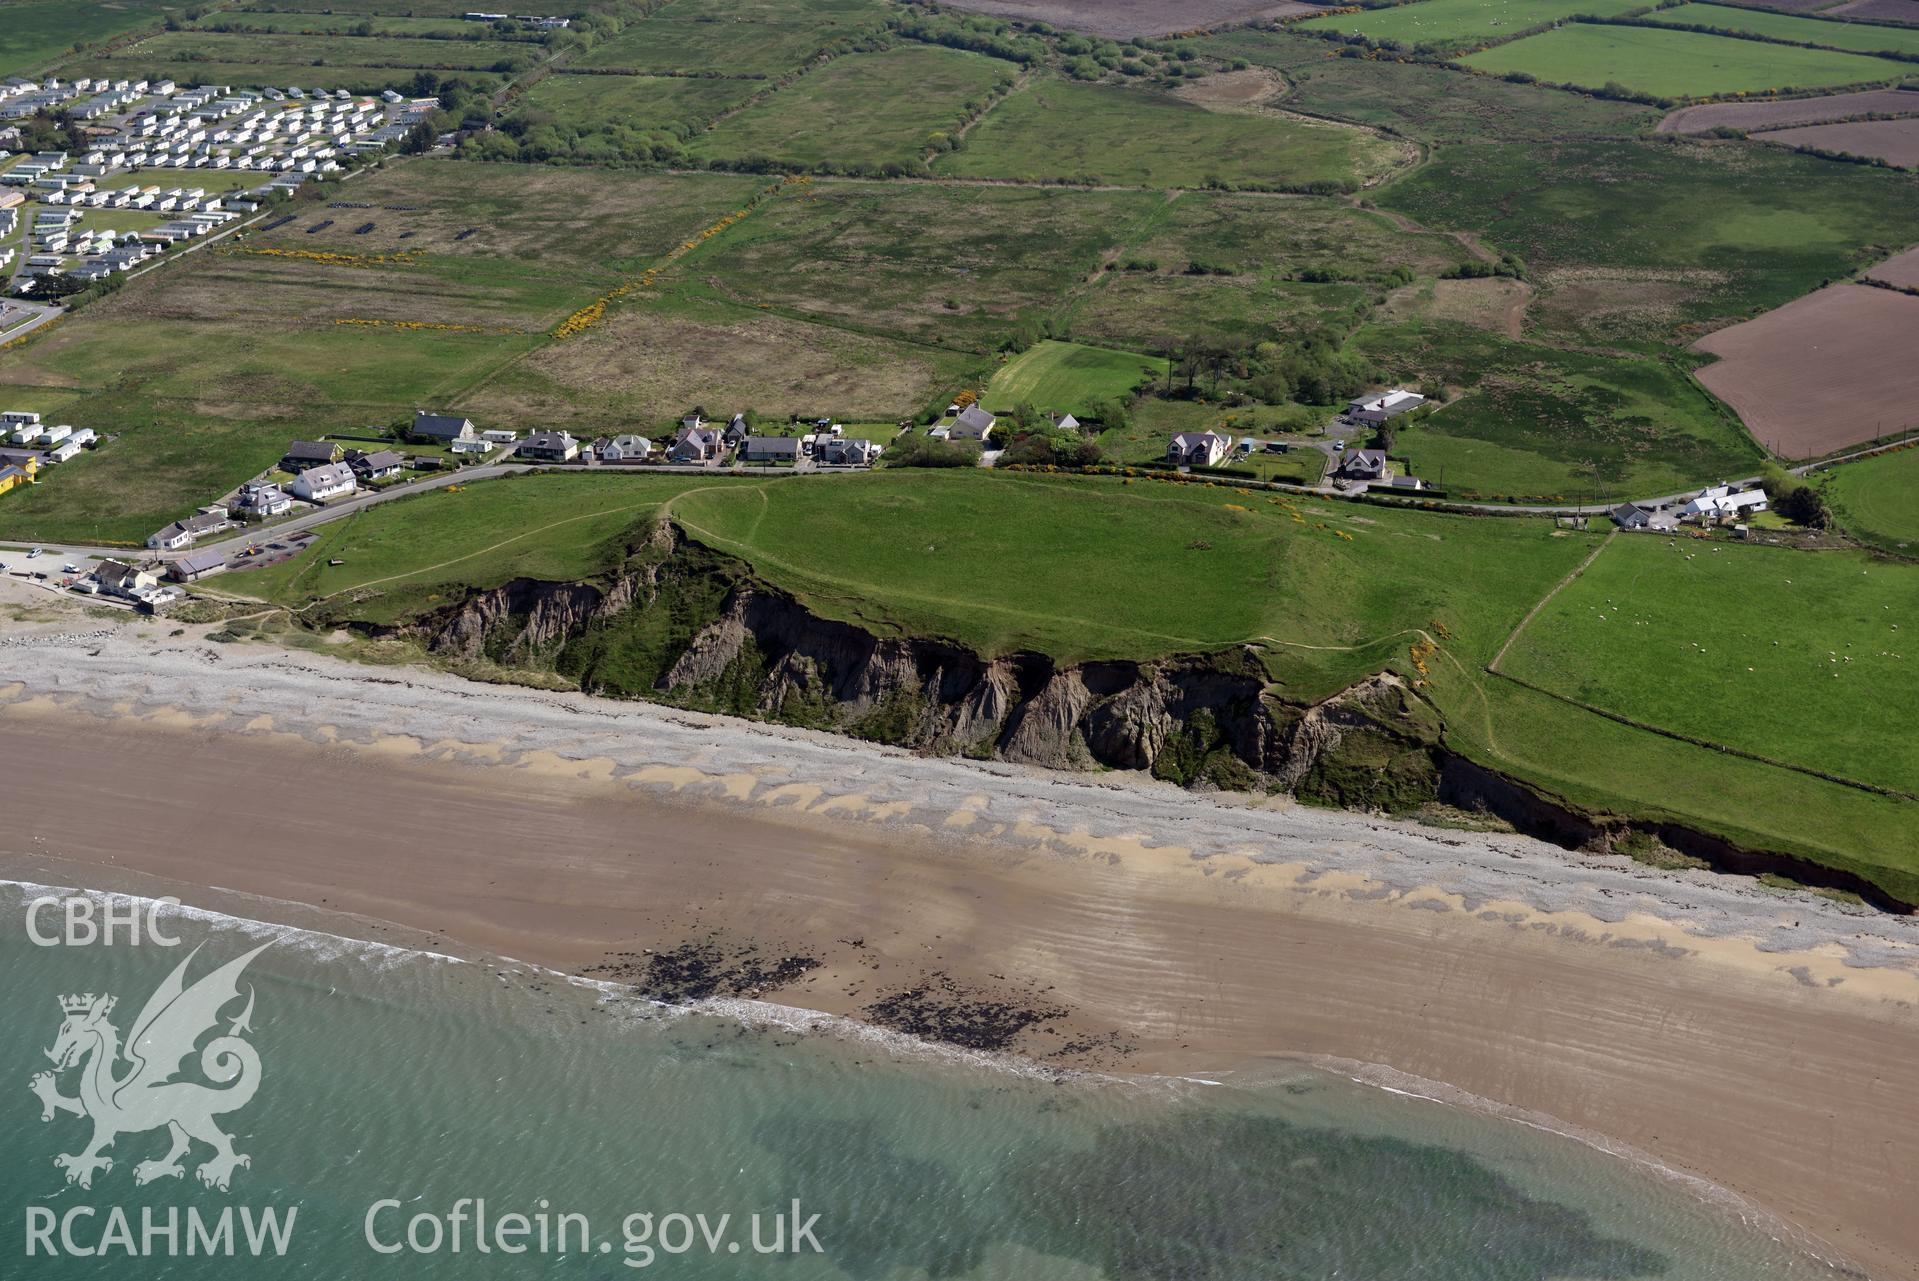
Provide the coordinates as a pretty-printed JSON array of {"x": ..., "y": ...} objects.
[{"x": 683, "y": 625}]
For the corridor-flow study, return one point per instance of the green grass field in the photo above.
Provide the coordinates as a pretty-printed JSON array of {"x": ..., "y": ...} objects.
[
  {"x": 1677, "y": 64},
  {"x": 1163, "y": 312},
  {"x": 182, "y": 48},
  {"x": 1143, "y": 138},
  {"x": 1065, "y": 377},
  {"x": 865, "y": 109},
  {"x": 336, "y": 22},
  {"x": 758, "y": 40},
  {"x": 35, "y": 32},
  {"x": 674, "y": 104},
  {"x": 954, "y": 268},
  {"x": 1545, "y": 424},
  {"x": 1797, "y": 657},
  {"x": 1857, "y": 37},
  {"x": 1877, "y": 499},
  {"x": 407, "y": 556},
  {"x": 1630, "y": 241},
  {"x": 1429, "y": 103},
  {"x": 1461, "y": 24}
]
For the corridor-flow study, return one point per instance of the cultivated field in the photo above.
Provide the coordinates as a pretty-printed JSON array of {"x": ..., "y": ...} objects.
[
  {"x": 1066, "y": 377},
  {"x": 1636, "y": 244},
  {"x": 1894, "y": 141},
  {"x": 1790, "y": 111},
  {"x": 1900, "y": 11},
  {"x": 1053, "y": 129},
  {"x": 1797, "y": 657},
  {"x": 1676, "y": 64},
  {"x": 1900, "y": 270},
  {"x": 866, "y": 109},
  {"x": 1826, "y": 371},
  {"x": 1858, "y": 37},
  {"x": 1460, "y": 24},
  {"x": 1877, "y": 499}
]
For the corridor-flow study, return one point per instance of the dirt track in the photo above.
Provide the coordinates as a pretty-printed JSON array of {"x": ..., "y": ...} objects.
[
  {"x": 1825, "y": 371},
  {"x": 1120, "y": 19}
]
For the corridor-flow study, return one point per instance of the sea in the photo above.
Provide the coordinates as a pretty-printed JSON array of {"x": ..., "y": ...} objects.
[{"x": 409, "y": 1114}]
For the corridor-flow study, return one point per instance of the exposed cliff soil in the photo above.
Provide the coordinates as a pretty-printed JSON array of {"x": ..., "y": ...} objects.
[{"x": 681, "y": 624}]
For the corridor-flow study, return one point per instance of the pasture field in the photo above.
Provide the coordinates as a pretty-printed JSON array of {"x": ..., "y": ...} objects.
[
  {"x": 35, "y": 32},
  {"x": 1161, "y": 312},
  {"x": 1823, "y": 372},
  {"x": 410, "y": 555},
  {"x": 1429, "y": 103},
  {"x": 181, "y": 48},
  {"x": 1796, "y": 657},
  {"x": 412, "y": 8},
  {"x": 863, "y": 109},
  {"x": 1053, "y": 129},
  {"x": 653, "y": 359},
  {"x": 1544, "y": 423},
  {"x": 1064, "y": 377},
  {"x": 1676, "y": 64},
  {"x": 756, "y": 40},
  {"x": 1877, "y": 499},
  {"x": 1634, "y": 244},
  {"x": 337, "y": 22},
  {"x": 955, "y": 268},
  {"x": 1287, "y": 237},
  {"x": 1444, "y": 25},
  {"x": 678, "y": 105},
  {"x": 1856, "y": 37},
  {"x": 303, "y": 75}
]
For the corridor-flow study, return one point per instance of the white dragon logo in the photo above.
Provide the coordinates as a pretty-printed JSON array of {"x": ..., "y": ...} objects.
[{"x": 147, "y": 1097}]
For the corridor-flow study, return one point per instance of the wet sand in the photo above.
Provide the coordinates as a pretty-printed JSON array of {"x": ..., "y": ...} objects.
[{"x": 1768, "y": 1045}]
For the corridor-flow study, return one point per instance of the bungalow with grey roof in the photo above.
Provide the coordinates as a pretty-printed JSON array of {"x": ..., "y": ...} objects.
[
  {"x": 626, "y": 449},
  {"x": 770, "y": 449},
  {"x": 444, "y": 429},
  {"x": 381, "y": 464},
  {"x": 317, "y": 484},
  {"x": 550, "y": 447},
  {"x": 302, "y": 454},
  {"x": 974, "y": 424}
]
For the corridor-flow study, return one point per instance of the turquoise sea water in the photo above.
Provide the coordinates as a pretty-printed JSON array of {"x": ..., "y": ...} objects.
[{"x": 406, "y": 1084}]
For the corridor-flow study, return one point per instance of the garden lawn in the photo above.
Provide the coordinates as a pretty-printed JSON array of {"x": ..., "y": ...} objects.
[
  {"x": 1794, "y": 656},
  {"x": 862, "y": 110},
  {"x": 1057, "y": 129},
  {"x": 1676, "y": 64},
  {"x": 1064, "y": 377}
]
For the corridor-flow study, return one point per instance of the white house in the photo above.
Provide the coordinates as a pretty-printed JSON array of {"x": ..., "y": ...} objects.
[
  {"x": 626, "y": 449},
  {"x": 317, "y": 484},
  {"x": 1198, "y": 448},
  {"x": 1721, "y": 503}
]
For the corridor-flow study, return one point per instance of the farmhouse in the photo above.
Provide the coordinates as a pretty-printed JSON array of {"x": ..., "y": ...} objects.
[
  {"x": 317, "y": 484},
  {"x": 444, "y": 429},
  {"x": 1631, "y": 516},
  {"x": 1720, "y": 504},
  {"x": 1364, "y": 464},
  {"x": 1198, "y": 449},
  {"x": 770, "y": 449},
  {"x": 302, "y": 454},
  {"x": 1380, "y": 406},
  {"x": 550, "y": 447}
]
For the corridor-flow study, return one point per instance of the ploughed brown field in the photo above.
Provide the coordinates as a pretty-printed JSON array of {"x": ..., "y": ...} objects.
[
  {"x": 1795, "y": 111},
  {"x": 1829, "y": 370},
  {"x": 1901, "y": 11},
  {"x": 1901, "y": 270},
  {"x": 1120, "y": 19},
  {"x": 1894, "y": 141}
]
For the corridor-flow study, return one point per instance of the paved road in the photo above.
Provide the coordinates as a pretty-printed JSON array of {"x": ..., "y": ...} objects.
[{"x": 46, "y": 313}]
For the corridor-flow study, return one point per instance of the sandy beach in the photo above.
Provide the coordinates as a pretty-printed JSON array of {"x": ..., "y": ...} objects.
[{"x": 1765, "y": 1043}]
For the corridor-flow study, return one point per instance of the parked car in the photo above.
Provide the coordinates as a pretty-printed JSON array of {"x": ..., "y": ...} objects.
[{"x": 69, "y": 568}]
